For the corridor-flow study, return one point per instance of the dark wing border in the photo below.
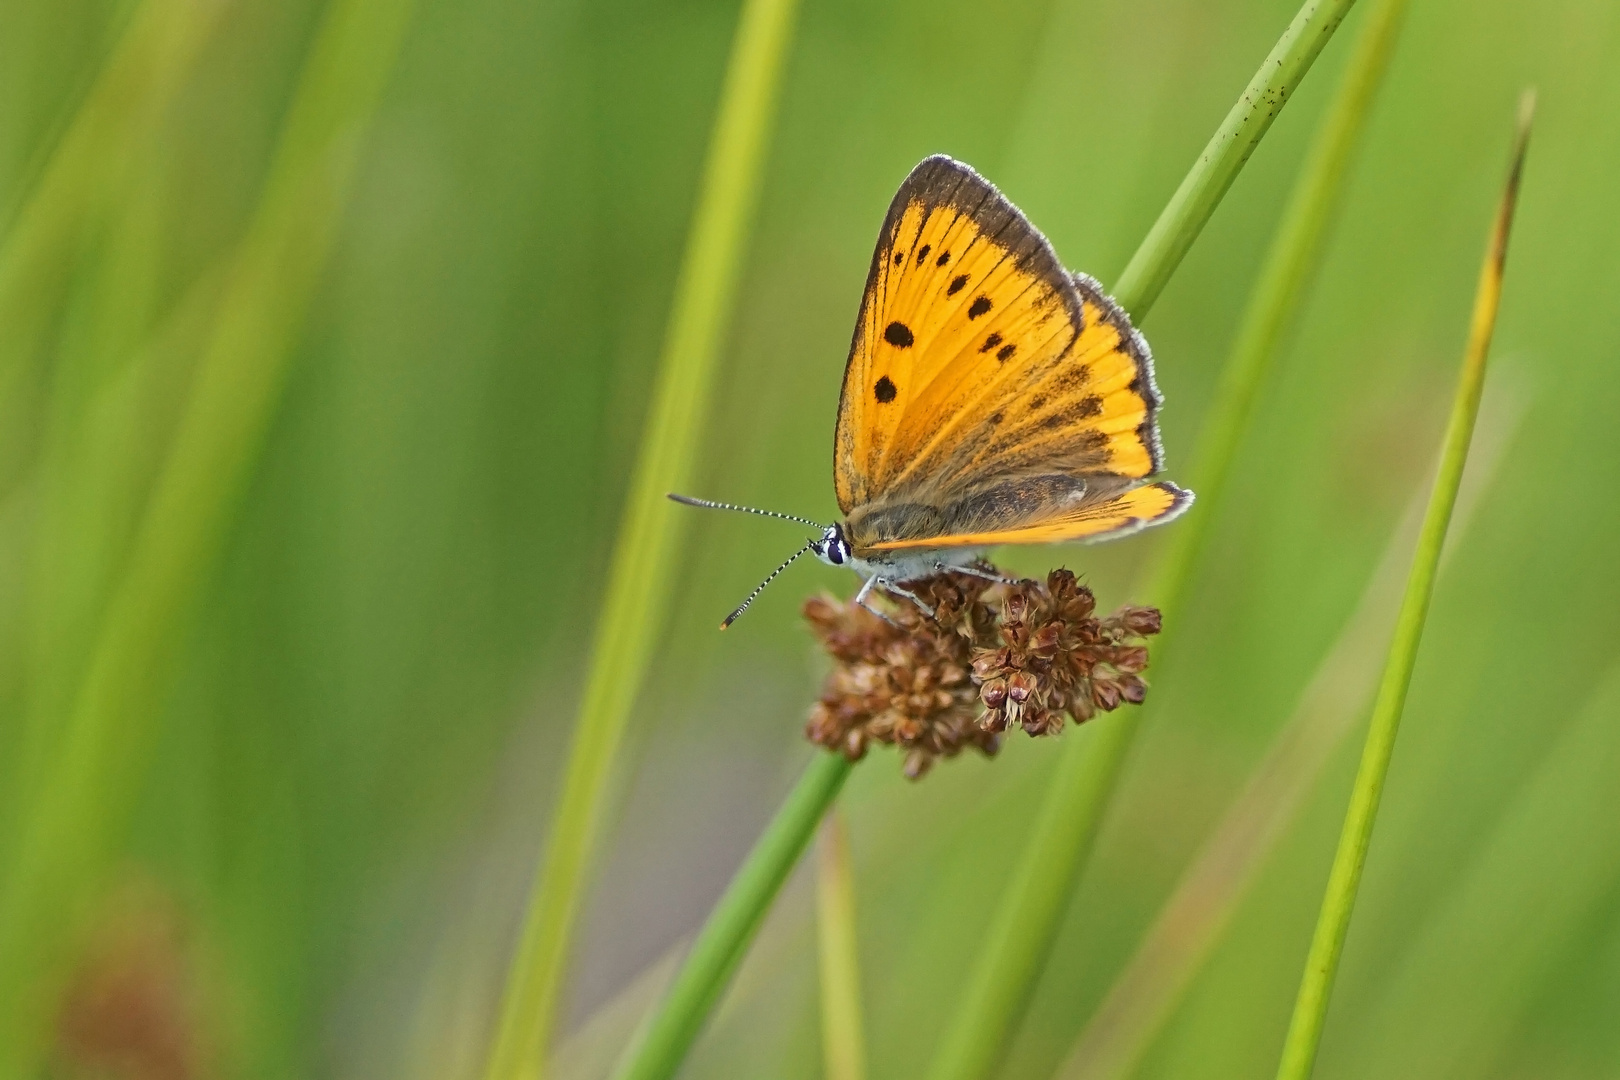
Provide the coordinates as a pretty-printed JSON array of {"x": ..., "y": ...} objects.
[{"x": 1136, "y": 347}]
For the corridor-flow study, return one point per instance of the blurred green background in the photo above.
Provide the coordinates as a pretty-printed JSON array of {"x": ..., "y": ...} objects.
[{"x": 360, "y": 709}]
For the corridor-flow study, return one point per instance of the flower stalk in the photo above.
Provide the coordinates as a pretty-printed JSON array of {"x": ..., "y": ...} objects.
[{"x": 732, "y": 924}]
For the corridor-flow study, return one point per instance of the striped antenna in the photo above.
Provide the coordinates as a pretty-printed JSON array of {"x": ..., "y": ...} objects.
[
  {"x": 744, "y": 605},
  {"x": 689, "y": 501}
]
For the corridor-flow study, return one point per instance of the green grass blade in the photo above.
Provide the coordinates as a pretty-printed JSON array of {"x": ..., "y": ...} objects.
[
  {"x": 842, "y": 1043},
  {"x": 1019, "y": 940},
  {"x": 640, "y": 579},
  {"x": 89, "y": 163},
  {"x": 1327, "y": 944},
  {"x": 1278, "y": 292},
  {"x": 79, "y": 806},
  {"x": 1194, "y": 202},
  {"x": 731, "y": 926}
]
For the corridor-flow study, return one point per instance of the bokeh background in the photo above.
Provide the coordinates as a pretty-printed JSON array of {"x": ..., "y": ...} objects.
[{"x": 360, "y": 712}]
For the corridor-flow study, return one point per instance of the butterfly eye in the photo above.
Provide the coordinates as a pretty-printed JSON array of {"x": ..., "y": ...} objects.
[{"x": 830, "y": 547}]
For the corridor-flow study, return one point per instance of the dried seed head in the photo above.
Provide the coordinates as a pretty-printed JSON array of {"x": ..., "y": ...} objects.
[{"x": 991, "y": 658}]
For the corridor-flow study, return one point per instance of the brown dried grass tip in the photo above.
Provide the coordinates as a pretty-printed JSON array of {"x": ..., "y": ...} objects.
[{"x": 992, "y": 657}]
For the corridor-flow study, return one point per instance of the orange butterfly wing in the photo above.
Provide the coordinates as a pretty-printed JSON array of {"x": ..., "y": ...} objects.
[{"x": 978, "y": 365}]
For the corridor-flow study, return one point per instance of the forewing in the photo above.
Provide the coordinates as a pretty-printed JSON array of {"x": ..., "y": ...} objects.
[{"x": 963, "y": 300}]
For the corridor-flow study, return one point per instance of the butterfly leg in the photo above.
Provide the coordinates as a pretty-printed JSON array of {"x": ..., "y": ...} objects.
[
  {"x": 898, "y": 590},
  {"x": 866, "y": 589},
  {"x": 978, "y": 570}
]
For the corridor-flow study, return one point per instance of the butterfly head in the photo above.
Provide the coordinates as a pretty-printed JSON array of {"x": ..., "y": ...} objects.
[{"x": 831, "y": 548}]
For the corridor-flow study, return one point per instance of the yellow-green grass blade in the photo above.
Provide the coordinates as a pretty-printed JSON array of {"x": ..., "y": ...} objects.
[
  {"x": 87, "y": 167},
  {"x": 843, "y": 1047},
  {"x": 1013, "y": 954},
  {"x": 1484, "y": 956},
  {"x": 1194, "y": 917},
  {"x": 76, "y": 809},
  {"x": 95, "y": 456},
  {"x": 640, "y": 578},
  {"x": 1327, "y": 944}
]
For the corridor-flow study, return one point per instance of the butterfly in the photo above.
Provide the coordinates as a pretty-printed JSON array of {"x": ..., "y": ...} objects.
[{"x": 990, "y": 397}]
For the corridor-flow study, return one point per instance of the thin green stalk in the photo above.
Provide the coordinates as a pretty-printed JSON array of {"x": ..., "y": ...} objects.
[
  {"x": 80, "y": 803},
  {"x": 731, "y": 926},
  {"x": 1020, "y": 939},
  {"x": 1224, "y": 156},
  {"x": 1327, "y": 944},
  {"x": 640, "y": 580},
  {"x": 842, "y": 1043},
  {"x": 1279, "y": 291}
]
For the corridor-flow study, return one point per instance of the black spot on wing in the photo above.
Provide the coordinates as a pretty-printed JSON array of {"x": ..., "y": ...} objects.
[
  {"x": 979, "y": 307},
  {"x": 899, "y": 335},
  {"x": 1088, "y": 407},
  {"x": 944, "y": 257},
  {"x": 899, "y": 257},
  {"x": 884, "y": 391},
  {"x": 1005, "y": 352},
  {"x": 922, "y": 253},
  {"x": 990, "y": 342},
  {"x": 956, "y": 285}
]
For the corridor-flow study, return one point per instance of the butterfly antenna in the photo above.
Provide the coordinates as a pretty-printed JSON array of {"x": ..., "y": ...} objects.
[
  {"x": 689, "y": 501},
  {"x": 742, "y": 607}
]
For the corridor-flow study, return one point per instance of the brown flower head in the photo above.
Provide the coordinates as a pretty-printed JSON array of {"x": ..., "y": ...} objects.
[{"x": 992, "y": 656}]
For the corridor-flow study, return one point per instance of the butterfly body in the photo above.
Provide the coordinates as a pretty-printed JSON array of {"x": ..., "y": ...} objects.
[
  {"x": 835, "y": 548},
  {"x": 990, "y": 396}
]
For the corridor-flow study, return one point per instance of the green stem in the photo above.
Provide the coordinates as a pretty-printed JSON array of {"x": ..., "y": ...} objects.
[
  {"x": 640, "y": 580},
  {"x": 1327, "y": 944},
  {"x": 1285, "y": 275},
  {"x": 731, "y": 926},
  {"x": 1224, "y": 156},
  {"x": 1020, "y": 938},
  {"x": 843, "y": 1045}
]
